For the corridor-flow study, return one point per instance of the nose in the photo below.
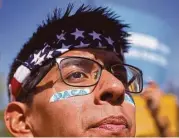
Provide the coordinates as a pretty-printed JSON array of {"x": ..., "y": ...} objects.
[{"x": 109, "y": 89}]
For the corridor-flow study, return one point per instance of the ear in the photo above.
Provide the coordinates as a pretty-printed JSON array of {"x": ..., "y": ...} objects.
[{"x": 16, "y": 120}]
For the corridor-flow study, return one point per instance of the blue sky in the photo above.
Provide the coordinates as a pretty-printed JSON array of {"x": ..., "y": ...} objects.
[{"x": 19, "y": 19}]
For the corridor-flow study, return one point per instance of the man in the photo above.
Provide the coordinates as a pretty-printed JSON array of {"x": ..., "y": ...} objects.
[{"x": 70, "y": 78}]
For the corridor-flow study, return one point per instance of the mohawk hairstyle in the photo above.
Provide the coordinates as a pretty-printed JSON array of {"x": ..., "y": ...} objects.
[{"x": 103, "y": 18}]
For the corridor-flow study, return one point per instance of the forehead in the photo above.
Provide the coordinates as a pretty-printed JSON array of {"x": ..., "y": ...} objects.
[{"x": 95, "y": 54}]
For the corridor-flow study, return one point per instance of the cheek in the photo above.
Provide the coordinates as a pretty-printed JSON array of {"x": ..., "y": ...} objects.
[
  {"x": 60, "y": 118},
  {"x": 129, "y": 111},
  {"x": 66, "y": 116}
]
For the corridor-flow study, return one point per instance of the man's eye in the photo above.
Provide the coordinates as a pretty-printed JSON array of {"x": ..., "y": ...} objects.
[{"x": 76, "y": 75}]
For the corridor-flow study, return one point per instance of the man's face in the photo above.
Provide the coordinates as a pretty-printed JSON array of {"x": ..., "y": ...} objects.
[{"x": 103, "y": 112}]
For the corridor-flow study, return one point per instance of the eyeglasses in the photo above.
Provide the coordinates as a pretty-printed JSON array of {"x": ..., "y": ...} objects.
[{"x": 84, "y": 72}]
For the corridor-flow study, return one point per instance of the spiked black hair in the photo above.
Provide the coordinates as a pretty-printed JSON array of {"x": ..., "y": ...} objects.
[{"x": 86, "y": 17}]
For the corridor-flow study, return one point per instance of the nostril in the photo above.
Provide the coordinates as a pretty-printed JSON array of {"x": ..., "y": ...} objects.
[
  {"x": 106, "y": 96},
  {"x": 120, "y": 99}
]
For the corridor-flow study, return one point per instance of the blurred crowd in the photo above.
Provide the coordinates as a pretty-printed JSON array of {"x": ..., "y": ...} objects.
[{"x": 152, "y": 95}]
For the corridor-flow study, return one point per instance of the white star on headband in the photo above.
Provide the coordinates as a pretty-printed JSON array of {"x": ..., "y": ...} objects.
[
  {"x": 95, "y": 35},
  {"x": 46, "y": 45},
  {"x": 49, "y": 55},
  {"x": 81, "y": 45},
  {"x": 65, "y": 46},
  {"x": 110, "y": 41},
  {"x": 40, "y": 60},
  {"x": 78, "y": 34},
  {"x": 61, "y": 37},
  {"x": 36, "y": 56}
]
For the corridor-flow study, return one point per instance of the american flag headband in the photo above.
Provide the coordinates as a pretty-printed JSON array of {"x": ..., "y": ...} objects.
[{"x": 65, "y": 41}]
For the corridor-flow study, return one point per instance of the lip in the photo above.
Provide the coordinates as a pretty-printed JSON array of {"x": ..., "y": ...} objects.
[{"x": 114, "y": 124}]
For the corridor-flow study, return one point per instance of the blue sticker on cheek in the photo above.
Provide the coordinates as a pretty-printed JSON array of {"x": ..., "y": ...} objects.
[
  {"x": 129, "y": 99},
  {"x": 68, "y": 93}
]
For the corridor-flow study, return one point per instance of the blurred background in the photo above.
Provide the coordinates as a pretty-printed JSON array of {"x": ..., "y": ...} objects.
[{"x": 154, "y": 46}]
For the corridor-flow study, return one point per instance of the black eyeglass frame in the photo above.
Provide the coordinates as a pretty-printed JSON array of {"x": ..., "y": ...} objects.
[{"x": 102, "y": 67}]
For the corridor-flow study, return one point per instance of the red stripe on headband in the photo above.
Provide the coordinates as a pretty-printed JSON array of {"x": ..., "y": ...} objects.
[
  {"x": 20, "y": 75},
  {"x": 15, "y": 87}
]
